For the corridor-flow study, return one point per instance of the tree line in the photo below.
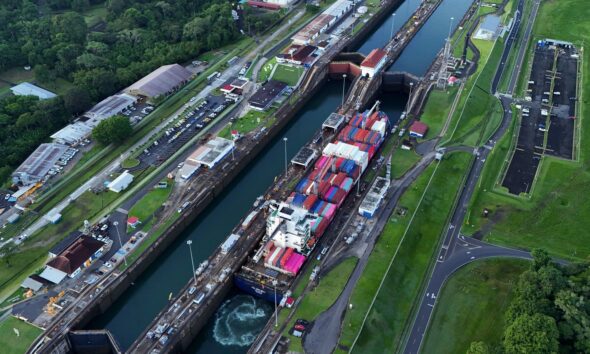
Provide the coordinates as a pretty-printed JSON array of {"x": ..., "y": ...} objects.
[
  {"x": 549, "y": 313},
  {"x": 136, "y": 37}
]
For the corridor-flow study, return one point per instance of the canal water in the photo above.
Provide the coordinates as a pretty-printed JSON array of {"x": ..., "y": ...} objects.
[{"x": 241, "y": 317}]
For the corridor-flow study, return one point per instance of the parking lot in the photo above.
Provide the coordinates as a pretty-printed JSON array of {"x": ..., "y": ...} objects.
[
  {"x": 193, "y": 119},
  {"x": 138, "y": 112},
  {"x": 547, "y": 117}
]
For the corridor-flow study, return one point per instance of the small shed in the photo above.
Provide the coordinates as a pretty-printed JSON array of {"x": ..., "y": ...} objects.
[
  {"x": 418, "y": 129},
  {"x": 121, "y": 183}
]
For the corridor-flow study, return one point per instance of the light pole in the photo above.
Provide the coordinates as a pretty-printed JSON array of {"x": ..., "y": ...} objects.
[
  {"x": 343, "y": 89},
  {"x": 274, "y": 282},
  {"x": 409, "y": 99},
  {"x": 190, "y": 249},
  {"x": 450, "y": 27},
  {"x": 392, "y": 24},
  {"x": 285, "y": 140},
  {"x": 115, "y": 224}
]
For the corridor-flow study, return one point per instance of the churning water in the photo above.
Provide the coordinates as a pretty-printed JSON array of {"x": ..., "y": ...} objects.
[{"x": 239, "y": 320}]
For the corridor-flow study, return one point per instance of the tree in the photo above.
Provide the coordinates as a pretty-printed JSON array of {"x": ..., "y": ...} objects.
[
  {"x": 112, "y": 130},
  {"x": 478, "y": 348},
  {"x": 576, "y": 319},
  {"x": 532, "y": 334},
  {"x": 540, "y": 258},
  {"x": 80, "y": 5},
  {"x": 77, "y": 100},
  {"x": 43, "y": 74}
]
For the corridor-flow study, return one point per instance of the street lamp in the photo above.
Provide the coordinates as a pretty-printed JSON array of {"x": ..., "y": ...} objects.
[
  {"x": 450, "y": 27},
  {"x": 343, "y": 89},
  {"x": 274, "y": 283},
  {"x": 392, "y": 24},
  {"x": 115, "y": 224},
  {"x": 285, "y": 140},
  {"x": 409, "y": 99},
  {"x": 190, "y": 249}
]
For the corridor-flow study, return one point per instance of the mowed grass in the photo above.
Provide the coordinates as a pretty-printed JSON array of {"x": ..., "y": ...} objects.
[
  {"x": 392, "y": 308},
  {"x": 151, "y": 202},
  {"x": 321, "y": 297},
  {"x": 247, "y": 123},
  {"x": 471, "y": 306},
  {"x": 13, "y": 344},
  {"x": 437, "y": 109},
  {"x": 266, "y": 70},
  {"x": 554, "y": 218},
  {"x": 288, "y": 74},
  {"x": 402, "y": 161}
]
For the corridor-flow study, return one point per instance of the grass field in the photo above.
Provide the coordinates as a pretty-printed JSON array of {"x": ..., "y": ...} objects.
[
  {"x": 266, "y": 70},
  {"x": 393, "y": 304},
  {"x": 130, "y": 163},
  {"x": 402, "y": 161},
  {"x": 321, "y": 297},
  {"x": 551, "y": 217},
  {"x": 437, "y": 109},
  {"x": 288, "y": 74},
  {"x": 13, "y": 344},
  {"x": 247, "y": 123},
  {"x": 471, "y": 306},
  {"x": 151, "y": 202}
]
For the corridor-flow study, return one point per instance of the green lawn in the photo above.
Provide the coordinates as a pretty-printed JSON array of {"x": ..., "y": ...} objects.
[
  {"x": 13, "y": 344},
  {"x": 553, "y": 217},
  {"x": 471, "y": 306},
  {"x": 437, "y": 109},
  {"x": 17, "y": 75},
  {"x": 130, "y": 163},
  {"x": 288, "y": 74},
  {"x": 246, "y": 124},
  {"x": 266, "y": 70},
  {"x": 151, "y": 202},
  {"x": 402, "y": 161},
  {"x": 321, "y": 297},
  {"x": 393, "y": 305}
]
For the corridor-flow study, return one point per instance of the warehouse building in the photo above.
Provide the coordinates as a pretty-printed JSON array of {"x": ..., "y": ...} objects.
[
  {"x": 38, "y": 164},
  {"x": 72, "y": 134},
  {"x": 213, "y": 151},
  {"x": 121, "y": 183},
  {"x": 28, "y": 89},
  {"x": 160, "y": 82},
  {"x": 107, "y": 108},
  {"x": 266, "y": 95},
  {"x": 323, "y": 22},
  {"x": 72, "y": 260},
  {"x": 374, "y": 197}
]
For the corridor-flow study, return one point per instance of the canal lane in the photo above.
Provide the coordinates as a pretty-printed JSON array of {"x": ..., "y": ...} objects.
[{"x": 134, "y": 310}]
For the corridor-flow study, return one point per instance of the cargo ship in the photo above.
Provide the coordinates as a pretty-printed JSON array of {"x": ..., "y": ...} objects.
[{"x": 295, "y": 225}]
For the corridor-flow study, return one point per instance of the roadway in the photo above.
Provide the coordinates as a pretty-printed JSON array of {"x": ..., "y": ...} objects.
[
  {"x": 114, "y": 166},
  {"x": 456, "y": 250}
]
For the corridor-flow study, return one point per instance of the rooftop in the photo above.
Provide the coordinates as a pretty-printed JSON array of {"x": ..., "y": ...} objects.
[
  {"x": 160, "y": 81},
  {"x": 108, "y": 107},
  {"x": 313, "y": 28},
  {"x": 28, "y": 89},
  {"x": 267, "y": 93},
  {"x": 212, "y": 152},
  {"x": 374, "y": 58},
  {"x": 41, "y": 160},
  {"x": 76, "y": 254},
  {"x": 419, "y": 127},
  {"x": 65, "y": 243}
]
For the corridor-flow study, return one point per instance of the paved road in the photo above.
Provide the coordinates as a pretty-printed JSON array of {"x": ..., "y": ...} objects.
[
  {"x": 457, "y": 251},
  {"x": 232, "y": 71},
  {"x": 325, "y": 332}
]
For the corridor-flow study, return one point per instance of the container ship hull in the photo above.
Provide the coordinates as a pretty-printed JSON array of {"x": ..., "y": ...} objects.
[{"x": 294, "y": 226}]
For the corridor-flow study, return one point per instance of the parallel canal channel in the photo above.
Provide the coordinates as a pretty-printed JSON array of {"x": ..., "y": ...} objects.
[{"x": 240, "y": 318}]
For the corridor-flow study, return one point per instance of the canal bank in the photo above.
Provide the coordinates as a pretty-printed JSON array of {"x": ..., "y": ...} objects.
[{"x": 135, "y": 309}]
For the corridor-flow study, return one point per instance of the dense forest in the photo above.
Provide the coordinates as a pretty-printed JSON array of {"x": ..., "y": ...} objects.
[
  {"x": 136, "y": 37},
  {"x": 549, "y": 313}
]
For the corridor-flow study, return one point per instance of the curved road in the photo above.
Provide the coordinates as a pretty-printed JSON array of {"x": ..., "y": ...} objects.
[{"x": 456, "y": 250}]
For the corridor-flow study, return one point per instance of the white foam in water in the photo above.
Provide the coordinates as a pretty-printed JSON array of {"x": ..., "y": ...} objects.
[{"x": 239, "y": 320}]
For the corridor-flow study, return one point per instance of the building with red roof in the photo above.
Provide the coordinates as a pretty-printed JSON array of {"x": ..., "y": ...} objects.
[
  {"x": 77, "y": 256},
  {"x": 418, "y": 129},
  {"x": 133, "y": 221},
  {"x": 373, "y": 62}
]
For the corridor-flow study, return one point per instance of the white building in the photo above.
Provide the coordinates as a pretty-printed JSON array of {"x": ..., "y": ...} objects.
[
  {"x": 38, "y": 164},
  {"x": 373, "y": 63},
  {"x": 121, "y": 183},
  {"x": 28, "y": 89},
  {"x": 212, "y": 151},
  {"x": 162, "y": 81},
  {"x": 290, "y": 226}
]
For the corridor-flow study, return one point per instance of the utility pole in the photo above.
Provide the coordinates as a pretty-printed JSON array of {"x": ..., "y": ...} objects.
[
  {"x": 190, "y": 248},
  {"x": 285, "y": 140},
  {"x": 115, "y": 224},
  {"x": 274, "y": 282},
  {"x": 392, "y": 24},
  {"x": 343, "y": 89}
]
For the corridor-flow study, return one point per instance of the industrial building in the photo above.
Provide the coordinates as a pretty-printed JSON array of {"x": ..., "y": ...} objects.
[
  {"x": 73, "y": 259},
  {"x": 264, "y": 5},
  {"x": 297, "y": 54},
  {"x": 374, "y": 197},
  {"x": 36, "y": 166},
  {"x": 418, "y": 129},
  {"x": 212, "y": 151},
  {"x": 281, "y": 3},
  {"x": 121, "y": 183},
  {"x": 28, "y": 89},
  {"x": 64, "y": 244},
  {"x": 323, "y": 22},
  {"x": 373, "y": 62},
  {"x": 107, "y": 108},
  {"x": 72, "y": 134},
  {"x": 160, "y": 82},
  {"x": 266, "y": 95}
]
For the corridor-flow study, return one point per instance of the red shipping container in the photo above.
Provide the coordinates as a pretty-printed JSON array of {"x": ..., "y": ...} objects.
[
  {"x": 324, "y": 187},
  {"x": 313, "y": 175},
  {"x": 339, "y": 197},
  {"x": 337, "y": 181},
  {"x": 310, "y": 201},
  {"x": 339, "y": 162},
  {"x": 286, "y": 257},
  {"x": 322, "y": 228}
]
